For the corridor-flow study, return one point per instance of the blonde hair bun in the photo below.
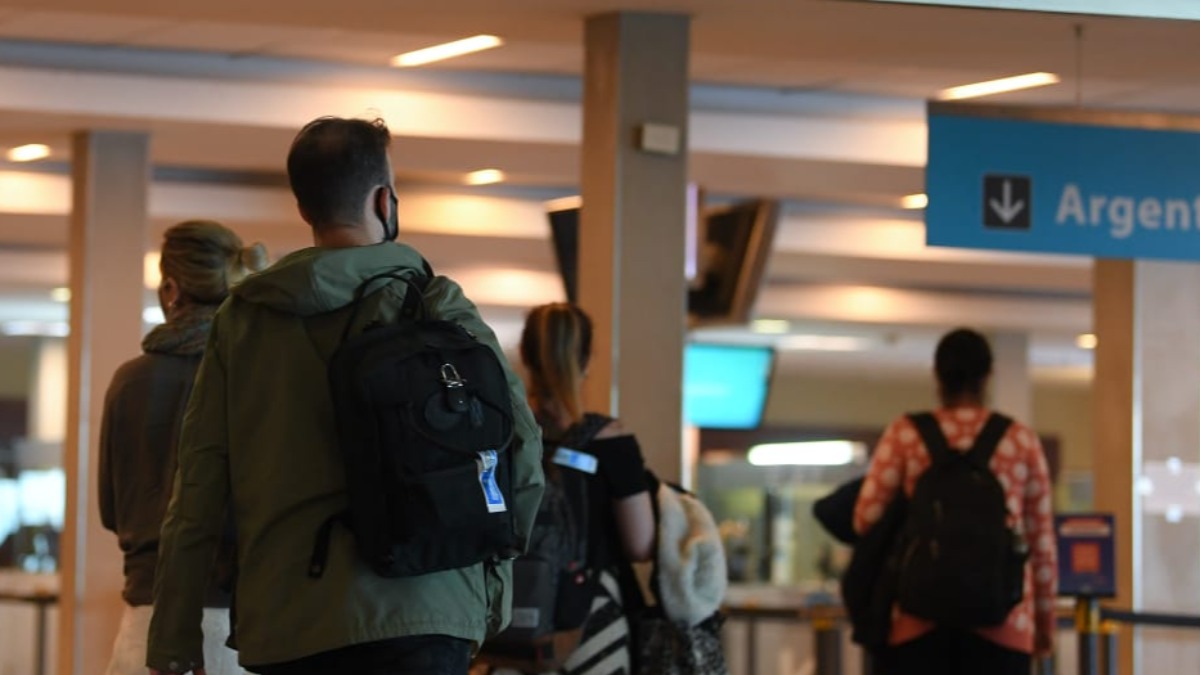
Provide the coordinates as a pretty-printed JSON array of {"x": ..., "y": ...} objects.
[
  {"x": 206, "y": 259},
  {"x": 254, "y": 258}
]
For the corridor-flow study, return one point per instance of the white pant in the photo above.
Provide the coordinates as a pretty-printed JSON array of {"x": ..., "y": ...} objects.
[{"x": 129, "y": 650}]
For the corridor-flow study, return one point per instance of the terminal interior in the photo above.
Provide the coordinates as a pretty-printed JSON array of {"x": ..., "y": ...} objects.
[{"x": 811, "y": 110}]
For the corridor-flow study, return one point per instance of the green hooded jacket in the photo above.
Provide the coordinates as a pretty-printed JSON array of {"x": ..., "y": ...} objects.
[{"x": 259, "y": 432}]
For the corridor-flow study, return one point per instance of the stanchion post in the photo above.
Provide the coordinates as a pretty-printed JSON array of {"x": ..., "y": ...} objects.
[
  {"x": 1087, "y": 627},
  {"x": 827, "y": 644},
  {"x": 1109, "y": 635},
  {"x": 40, "y": 642},
  {"x": 752, "y": 646}
]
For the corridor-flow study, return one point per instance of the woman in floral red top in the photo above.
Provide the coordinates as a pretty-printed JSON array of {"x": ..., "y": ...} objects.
[{"x": 963, "y": 364}]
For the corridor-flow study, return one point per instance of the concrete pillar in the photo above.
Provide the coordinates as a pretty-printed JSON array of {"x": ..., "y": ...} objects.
[
  {"x": 110, "y": 172},
  {"x": 633, "y": 234},
  {"x": 1012, "y": 386},
  {"x": 1148, "y": 445}
]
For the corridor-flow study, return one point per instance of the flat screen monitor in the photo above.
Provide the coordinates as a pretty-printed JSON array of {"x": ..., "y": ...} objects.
[
  {"x": 564, "y": 231},
  {"x": 733, "y": 250},
  {"x": 725, "y": 386}
]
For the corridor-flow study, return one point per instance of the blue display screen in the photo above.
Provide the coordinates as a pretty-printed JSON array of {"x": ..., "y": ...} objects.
[{"x": 725, "y": 387}]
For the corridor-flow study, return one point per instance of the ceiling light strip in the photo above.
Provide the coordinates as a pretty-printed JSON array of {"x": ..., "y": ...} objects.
[
  {"x": 445, "y": 51},
  {"x": 1000, "y": 86},
  {"x": 485, "y": 177},
  {"x": 30, "y": 152}
]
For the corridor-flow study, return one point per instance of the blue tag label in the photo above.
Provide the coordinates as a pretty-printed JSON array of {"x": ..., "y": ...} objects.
[
  {"x": 574, "y": 459},
  {"x": 487, "y": 480}
]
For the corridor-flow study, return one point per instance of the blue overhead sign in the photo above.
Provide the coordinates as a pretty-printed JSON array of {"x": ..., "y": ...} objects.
[{"x": 997, "y": 182}]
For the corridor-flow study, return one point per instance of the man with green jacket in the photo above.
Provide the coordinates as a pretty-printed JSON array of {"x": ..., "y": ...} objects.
[{"x": 260, "y": 436}]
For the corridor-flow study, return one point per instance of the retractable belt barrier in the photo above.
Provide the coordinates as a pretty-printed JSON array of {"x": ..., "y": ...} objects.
[{"x": 1097, "y": 629}]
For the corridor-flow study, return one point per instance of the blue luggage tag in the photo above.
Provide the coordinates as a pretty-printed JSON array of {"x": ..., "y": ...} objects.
[
  {"x": 574, "y": 459},
  {"x": 487, "y": 480}
]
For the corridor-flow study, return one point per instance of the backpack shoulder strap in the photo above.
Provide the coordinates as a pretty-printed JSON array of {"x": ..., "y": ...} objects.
[
  {"x": 413, "y": 304},
  {"x": 583, "y": 432},
  {"x": 989, "y": 439},
  {"x": 414, "y": 298},
  {"x": 931, "y": 435},
  {"x": 591, "y": 426}
]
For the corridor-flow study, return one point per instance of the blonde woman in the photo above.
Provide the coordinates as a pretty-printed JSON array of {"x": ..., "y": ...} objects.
[
  {"x": 556, "y": 346},
  {"x": 143, "y": 410}
]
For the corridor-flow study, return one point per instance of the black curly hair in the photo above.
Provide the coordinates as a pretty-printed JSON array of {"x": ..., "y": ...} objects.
[{"x": 962, "y": 362}]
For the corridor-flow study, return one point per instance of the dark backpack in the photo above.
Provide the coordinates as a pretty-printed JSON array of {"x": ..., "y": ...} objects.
[
  {"x": 552, "y": 585},
  {"x": 961, "y": 564},
  {"x": 425, "y": 428}
]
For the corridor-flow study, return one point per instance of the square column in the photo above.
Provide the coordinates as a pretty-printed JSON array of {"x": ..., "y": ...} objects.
[
  {"x": 1012, "y": 384},
  {"x": 111, "y": 172},
  {"x": 633, "y": 229}
]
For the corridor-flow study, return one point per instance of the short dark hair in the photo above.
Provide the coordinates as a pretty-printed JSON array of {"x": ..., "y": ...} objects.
[
  {"x": 332, "y": 165},
  {"x": 963, "y": 361}
]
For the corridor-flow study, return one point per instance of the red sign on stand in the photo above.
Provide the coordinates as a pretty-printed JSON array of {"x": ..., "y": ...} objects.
[{"x": 1086, "y": 555}]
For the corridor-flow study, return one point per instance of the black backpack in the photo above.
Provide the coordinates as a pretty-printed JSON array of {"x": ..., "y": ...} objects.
[
  {"x": 425, "y": 428},
  {"x": 961, "y": 564},
  {"x": 553, "y": 587}
]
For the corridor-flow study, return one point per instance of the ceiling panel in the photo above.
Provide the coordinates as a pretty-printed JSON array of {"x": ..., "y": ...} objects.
[
  {"x": 84, "y": 27},
  {"x": 364, "y": 47},
  {"x": 796, "y": 44},
  {"x": 213, "y": 36},
  {"x": 519, "y": 56}
]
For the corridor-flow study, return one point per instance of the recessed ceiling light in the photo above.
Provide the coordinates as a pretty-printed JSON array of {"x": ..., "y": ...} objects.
[
  {"x": 917, "y": 201},
  {"x": 61, "y": 294},
  {"x": 29, "y": 153},
  {"x": 1000, "y": 86},
  {"x": 771, "y": 326},
  {"x": 1174, "y": 514},
  {"x": 485, "y": 177},
  {"x": 1087, "y": 341},
  {"x": 447, "y": 50}
]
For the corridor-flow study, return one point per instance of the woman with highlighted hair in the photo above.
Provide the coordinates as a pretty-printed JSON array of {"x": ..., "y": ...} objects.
[{"x": 555, "y": 349}]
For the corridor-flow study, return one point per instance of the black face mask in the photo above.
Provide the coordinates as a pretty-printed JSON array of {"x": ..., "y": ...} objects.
[{"x": 391, "y": 224}]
